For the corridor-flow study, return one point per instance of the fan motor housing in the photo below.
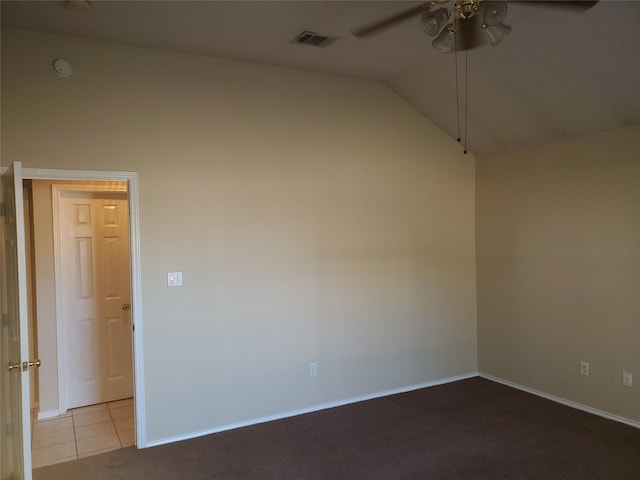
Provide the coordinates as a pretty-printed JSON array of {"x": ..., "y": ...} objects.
[{"x": 466, "y": 9}]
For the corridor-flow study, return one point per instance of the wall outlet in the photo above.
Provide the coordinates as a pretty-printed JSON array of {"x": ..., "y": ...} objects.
[
  {"x": 627, "y": 379},
  {"x": 584, "y": 368},
  {"x": 313, "y": 369}
]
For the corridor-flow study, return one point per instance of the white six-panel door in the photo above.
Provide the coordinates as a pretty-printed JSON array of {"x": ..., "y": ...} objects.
[{"x": 94, "y": 260}]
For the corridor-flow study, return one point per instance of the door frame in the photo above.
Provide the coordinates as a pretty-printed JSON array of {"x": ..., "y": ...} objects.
[
  {"x": 136, "y": 274},
  {"x": 57, "y": 190}
]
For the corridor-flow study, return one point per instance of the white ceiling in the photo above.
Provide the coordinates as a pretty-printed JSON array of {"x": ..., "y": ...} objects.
[{"x": 558, "y": 74}]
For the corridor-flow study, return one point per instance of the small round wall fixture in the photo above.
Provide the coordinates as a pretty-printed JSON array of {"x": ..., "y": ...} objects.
[{"x": 62, "y": 67}]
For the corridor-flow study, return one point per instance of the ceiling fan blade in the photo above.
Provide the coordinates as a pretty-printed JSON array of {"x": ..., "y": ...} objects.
[
  {"x": 577, "y": 6},
  {"x": 379, "y": 26}
]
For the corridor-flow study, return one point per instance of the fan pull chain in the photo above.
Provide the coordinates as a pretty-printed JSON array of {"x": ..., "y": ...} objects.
[
  {"x": 455, "y": 54},
  {"x": 466, "y": 99},
  {"x": 466, "y": 96}
]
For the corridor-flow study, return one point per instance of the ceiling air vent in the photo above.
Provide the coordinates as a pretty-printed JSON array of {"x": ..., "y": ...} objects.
[{"x": 314, "y": 39}]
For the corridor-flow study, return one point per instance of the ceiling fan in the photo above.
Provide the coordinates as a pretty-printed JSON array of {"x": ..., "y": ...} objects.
[{"x": 465, "y": 24}]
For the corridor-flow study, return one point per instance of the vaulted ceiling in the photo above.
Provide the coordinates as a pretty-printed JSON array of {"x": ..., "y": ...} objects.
[{"x": 558, "y": 74}]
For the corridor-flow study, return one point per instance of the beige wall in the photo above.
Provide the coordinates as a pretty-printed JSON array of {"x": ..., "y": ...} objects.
[
  {"x": 315, "y": 219},
  {"x": 45, "y": 296},
  {"x": 558, "y": 233}
]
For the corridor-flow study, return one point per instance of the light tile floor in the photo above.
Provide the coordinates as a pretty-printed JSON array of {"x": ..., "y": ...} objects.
[{"x": 83, "y": 432}]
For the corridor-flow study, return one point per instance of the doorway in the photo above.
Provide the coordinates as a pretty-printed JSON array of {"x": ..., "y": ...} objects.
[
  {"x": 16, "y": 428},
  {"x": 50, "y": 404},
  {"x": 80, "y": 233}
]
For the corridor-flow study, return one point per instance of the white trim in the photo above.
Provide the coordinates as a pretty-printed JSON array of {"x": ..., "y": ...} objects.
[
  {"x": 136, "y": 273},
  {"x": 136, "y": 312},
  {"x": 86, "y": 175},
  {"x": 49, "y": 414},
  {"x": 57, "y": 270},
  {"x": 563, "y": 401},
  {"x": 302, "y": 411}
]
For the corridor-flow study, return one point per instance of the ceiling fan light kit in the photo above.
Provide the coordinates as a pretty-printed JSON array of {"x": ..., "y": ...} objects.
[
  {"x": 490, "y": 14},
  {"x": 446, "y": 41},
  {"x": 497, "y": 33},
  {"x": 432, "y": 22},
  {"x": 465, "y": 9},
  {"x": 456, "y": 29},
  {"x": 494, "y": 12}
]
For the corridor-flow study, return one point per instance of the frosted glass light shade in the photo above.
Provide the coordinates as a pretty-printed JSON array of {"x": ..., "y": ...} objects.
[
  {"x": 432, "y": 22},
  {"x": 497, "y": 33},
  {"x": 446, "y": 41},
  {"x": 494, "y": 12}
]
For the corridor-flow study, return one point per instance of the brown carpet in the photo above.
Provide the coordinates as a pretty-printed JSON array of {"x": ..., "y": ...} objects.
[{"x": 472, "y": 429}]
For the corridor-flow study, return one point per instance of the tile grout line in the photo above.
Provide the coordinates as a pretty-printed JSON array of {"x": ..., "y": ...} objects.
[
  {"x": 75, "y": 439},
  {"x": 114, "y": 426}
]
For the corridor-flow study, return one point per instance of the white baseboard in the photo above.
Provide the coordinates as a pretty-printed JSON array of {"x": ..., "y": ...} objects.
[
  {"x": 311, "y": 409},
  {"x": 563, "y": 401},
  {"x": 49, "y": 414}
]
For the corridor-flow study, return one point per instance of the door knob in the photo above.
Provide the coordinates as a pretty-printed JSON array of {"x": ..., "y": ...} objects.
[
  {"x": 125, "y": 306},
  {"x": 24, "y": 366},
  {"x": 35, "y": 363},
  {"x": 13, "y": 366}
]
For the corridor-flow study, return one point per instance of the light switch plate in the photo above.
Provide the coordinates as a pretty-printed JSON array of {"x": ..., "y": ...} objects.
[{"x": 174, "y": 279}]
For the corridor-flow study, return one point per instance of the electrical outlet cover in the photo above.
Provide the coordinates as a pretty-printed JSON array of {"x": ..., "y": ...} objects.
[{"x": 584, "y": 368}]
